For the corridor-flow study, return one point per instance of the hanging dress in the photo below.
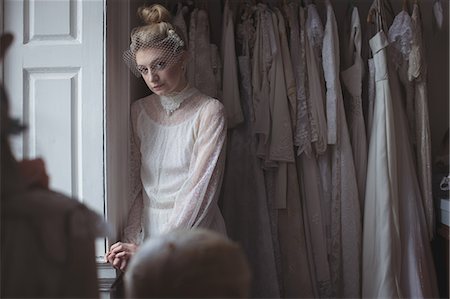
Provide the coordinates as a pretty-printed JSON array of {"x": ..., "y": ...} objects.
[
  {"x": 297, "y": 280},
  {"x": 417, "y": 72},
  {"x": 200, "y": 73},
  {"x": 244, "y": 194},
  {"x": 345, "y": 257},
  {"x": 352, "y": 80},
  {"x": 179, "y": 22},
  {"x": 311, "y": 179},
  {"x": 264, "y": 50},
  {"x": 418, "y": 277},
  {"x": 397, "y": 258},
  {"x": 381, "y": 236},
  {"x": 230, "y": 86}
]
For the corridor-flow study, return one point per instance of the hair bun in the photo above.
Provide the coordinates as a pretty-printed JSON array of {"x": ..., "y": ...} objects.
[{"x": 154, "y": 14}]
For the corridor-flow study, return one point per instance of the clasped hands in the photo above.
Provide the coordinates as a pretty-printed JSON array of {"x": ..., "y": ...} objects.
[{"x": 119, "y": 254}]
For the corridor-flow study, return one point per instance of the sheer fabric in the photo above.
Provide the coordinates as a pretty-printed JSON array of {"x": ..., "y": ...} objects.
[{"x": 182, "y": 161}]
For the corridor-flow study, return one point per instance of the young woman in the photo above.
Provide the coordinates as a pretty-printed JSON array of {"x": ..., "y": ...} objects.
[{"x": 178, "y": 141}]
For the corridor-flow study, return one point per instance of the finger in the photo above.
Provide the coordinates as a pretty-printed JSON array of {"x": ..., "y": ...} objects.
[
  {"x": 116, "y": 245},
  {"x": 122, "y": 254},
  {"x": 117, "y": 263},
  {"x": 111, "y": 257},
  {"x": 123, "y": 265}
]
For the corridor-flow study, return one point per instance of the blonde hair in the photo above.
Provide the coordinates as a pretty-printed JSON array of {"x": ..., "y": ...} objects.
[
  {"x": 157, "y": 29},
  {"x": 190, "y": 263}
]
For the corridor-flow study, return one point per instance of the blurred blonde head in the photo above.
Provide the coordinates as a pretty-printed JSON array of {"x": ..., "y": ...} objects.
[{"x": 195, "y": 263}]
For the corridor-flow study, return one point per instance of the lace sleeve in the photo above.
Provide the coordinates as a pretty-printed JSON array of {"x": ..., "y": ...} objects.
[
  {"x": 201, "y": 190},
  {"x": 133, "y": 232}
]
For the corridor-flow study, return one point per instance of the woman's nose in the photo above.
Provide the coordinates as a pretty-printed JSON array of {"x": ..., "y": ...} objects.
[{"x": 153, "y": 76}]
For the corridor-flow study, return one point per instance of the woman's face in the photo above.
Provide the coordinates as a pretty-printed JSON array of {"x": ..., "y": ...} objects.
[{"x": 161, "y": 71}]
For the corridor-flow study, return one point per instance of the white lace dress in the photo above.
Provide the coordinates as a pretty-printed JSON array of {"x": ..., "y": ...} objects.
[{"x": 178, "y": 152}]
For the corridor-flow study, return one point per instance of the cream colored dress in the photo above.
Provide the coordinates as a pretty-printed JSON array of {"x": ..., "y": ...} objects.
[{"x": 177, "y": 164}]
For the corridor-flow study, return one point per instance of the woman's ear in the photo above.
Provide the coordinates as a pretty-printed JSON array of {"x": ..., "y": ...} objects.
[{"x": 6, "y": 40}]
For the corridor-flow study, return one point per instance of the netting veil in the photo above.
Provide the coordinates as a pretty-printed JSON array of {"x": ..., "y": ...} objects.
[{"x": 161, "y": 36}]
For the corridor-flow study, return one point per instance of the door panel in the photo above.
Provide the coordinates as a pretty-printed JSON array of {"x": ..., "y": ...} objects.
[{"x": 54, "y": 74}]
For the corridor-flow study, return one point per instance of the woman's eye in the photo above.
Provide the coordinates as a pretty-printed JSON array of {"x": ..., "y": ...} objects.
[
  {"x": 142, "y": 70},
  {"x": 160, "y": 65}
]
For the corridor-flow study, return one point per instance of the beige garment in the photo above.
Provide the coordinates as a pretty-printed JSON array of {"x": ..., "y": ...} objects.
[
  {"x": 316, "y": 93},
  {"x": 302, "y": 134},
  {"x": 47, "y": 246},
  {"x": 200, "y": 72},
  {"x": 310, "y": 175},
  {"x": 297, "y": 279},
  {"x": 345, "y": 257},
  {"x": 352, "y": 80},
  {"x": 230, "y": 86},
  {"x": 179, "y": 22},
  {"x": 281, "y": 147},
  {"x": 417, "y": 74},
  {"x": 244, "y": 200},
  {"x": 260, "y": 84}
]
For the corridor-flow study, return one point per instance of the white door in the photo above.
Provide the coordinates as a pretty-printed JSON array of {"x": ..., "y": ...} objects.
[{"x": 53, "y": 74}]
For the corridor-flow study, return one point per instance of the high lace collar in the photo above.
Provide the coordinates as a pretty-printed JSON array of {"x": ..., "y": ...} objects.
[{"x": 172, "y": 102}]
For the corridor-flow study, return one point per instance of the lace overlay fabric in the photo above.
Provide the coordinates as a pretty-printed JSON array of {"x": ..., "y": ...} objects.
[
  {"x": 302, "y": 137},
  {"x": 172, "y": 102},
  {"x": 417, "y": 74},
  {"x": 316, "y": 87},
  {"x": 181, "y": 165}
]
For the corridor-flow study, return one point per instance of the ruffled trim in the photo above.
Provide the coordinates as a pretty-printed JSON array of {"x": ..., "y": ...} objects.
[{"x": 173, "y": 101}]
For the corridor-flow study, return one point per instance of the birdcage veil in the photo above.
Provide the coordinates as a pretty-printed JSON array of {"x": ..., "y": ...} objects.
[{"x": 160, "y": 35}]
